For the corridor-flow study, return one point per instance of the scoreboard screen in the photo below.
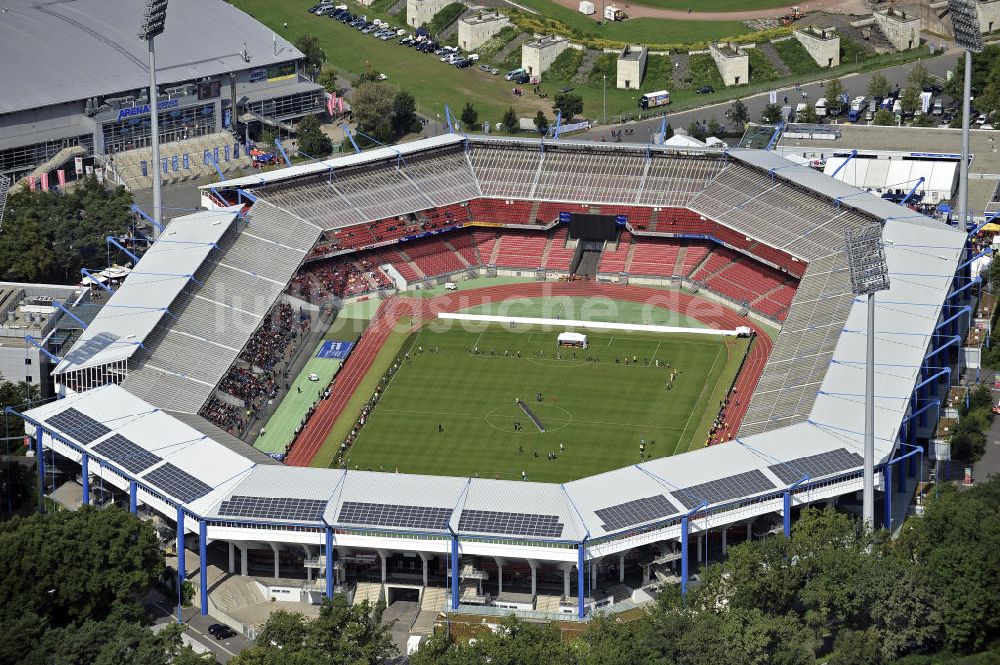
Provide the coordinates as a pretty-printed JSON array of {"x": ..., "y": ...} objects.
[{"x": 585, "y": 226}]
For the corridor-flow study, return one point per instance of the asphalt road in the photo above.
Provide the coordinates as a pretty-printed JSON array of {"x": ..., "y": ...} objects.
[
  {"x": 854, "y": 84},
  {"x": 163, "y": 611}
]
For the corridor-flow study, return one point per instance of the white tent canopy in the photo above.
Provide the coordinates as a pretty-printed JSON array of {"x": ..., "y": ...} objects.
[{"x": 573, "y": 338}]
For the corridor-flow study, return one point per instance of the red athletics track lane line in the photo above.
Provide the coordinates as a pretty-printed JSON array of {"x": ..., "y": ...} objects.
[{"x": 389, "y": 312}]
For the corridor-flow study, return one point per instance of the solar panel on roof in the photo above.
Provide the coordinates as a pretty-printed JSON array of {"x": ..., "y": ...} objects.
[
  {"x": 635, "y": 512},
  {"x": 725, "y": 489},
  {"x": 817, "y": 466},
  {"x": 513, "y": 524},
  {"x": 81, "y": 427},
  {"x": 273, "y": 508},
  {"x": 391, "y": 515},
  {"x": 126, "y": 453},
  {"x": 176, "y": 483}
]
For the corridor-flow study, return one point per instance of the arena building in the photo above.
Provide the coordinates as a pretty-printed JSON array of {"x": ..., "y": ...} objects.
[
  {"x": 135, "y": 387},
  {"x": 82, "y": 78}
]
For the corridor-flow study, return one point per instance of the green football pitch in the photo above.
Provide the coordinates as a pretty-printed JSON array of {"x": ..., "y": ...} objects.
[{"x": 449, "y": 410}]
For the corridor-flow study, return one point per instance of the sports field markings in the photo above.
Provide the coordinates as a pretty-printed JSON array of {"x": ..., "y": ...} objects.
[{"x": 701, "y": 396}]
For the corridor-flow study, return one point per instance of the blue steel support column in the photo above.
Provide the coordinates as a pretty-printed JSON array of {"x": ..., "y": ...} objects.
[
  {"x": 132, "y": 502},
  {"x": 684, "y": 555},
  {"x": 40, "y": 458},
  {"x": 887, "y": 494},
  {"x": 329, "y": 562},
  {"x": 900, "y": 477},
  {"x": 202, "y": 555},
  {"x": 181, "y": 573},
  {"x": 454, "y": 571},
  {"x": 85, "y": 467},
  {"x": 788, "y": 514},
  {"x": 581, "y": 553}
]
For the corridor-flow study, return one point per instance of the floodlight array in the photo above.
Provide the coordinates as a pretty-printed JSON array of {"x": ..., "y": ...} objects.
[
  {"x": 866, "y": 259},
  {"x": 154, "y": 18},
  {"x": 965, "y": 22}
]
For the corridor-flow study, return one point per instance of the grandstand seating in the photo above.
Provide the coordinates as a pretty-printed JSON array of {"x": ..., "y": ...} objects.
[
  {"x": 465, "y": 245},
  {"x": 485, "y": 241},
  {"x": 521, "y": 249},
  {"x": 503, "y": 212},
  {"x": 549, "y": 212},
  {"x": 614, "y": 260},
  {"x": 695, "y": 253},
  {"x": 655, "y": 256},
  {"x": 433, "y": 256},
  {"x": 638, "y": 216},
  {"x": 128, "y": 163},
  {"x": 560, "y": 257}
]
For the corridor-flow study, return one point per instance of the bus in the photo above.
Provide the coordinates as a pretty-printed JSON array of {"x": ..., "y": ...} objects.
[{"x": 654, "y": 99}]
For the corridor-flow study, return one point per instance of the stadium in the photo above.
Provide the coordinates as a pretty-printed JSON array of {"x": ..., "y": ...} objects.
[{"x": 735, "y": 253}]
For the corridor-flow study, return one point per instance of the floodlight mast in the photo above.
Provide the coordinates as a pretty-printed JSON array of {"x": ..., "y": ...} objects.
[
  {"x": 869, "y": 275},
  {"x": 153, "y": 22},
  {"x": 968, "y": 36}
]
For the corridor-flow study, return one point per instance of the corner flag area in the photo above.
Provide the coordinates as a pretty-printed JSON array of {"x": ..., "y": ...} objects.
[{"x": 312, "y": 380}]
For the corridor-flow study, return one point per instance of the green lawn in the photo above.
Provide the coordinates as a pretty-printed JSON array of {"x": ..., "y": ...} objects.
[
  {"x": 281, "y": 425},
  {"x": 598, "y": 410},
  {"x": 716, "y": 5}
]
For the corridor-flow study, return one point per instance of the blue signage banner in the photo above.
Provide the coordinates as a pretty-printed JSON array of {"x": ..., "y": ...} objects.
[
  {"x": 143, "y": 109},
  {"x": 174, "y": 163},
  {"x": 564, "y": 217},
  {"x": 186, "y": 161},
  {"x": 226, "y": 152},
  {"x": 145, "y": 168},
  {"x": 334, "y": 350}
]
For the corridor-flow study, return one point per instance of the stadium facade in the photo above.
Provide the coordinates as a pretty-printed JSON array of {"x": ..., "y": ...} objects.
[
  {"x": 133, "y": 389},
  {"x": 82, "y": 77}
]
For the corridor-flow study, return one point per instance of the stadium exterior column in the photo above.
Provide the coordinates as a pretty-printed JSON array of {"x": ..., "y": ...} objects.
[
  {"x": 309, "y": 570},
  {"x": 424, "y": 560},
  {"x": 454, "y": 571},
  {"x": 684, "y": 555},
  {"x": 581, "y": 590},
  {"x": 788, "y": 514},
  {"x": 698, "y": 542},
  {"x": 277, "y": 561},
  {"x": 85, "y": 476},
  {"x": 500, "y": 564},
  {"x": 621, "y": 568},
  {"x": 330, "y": 555},
  {"x": 202, "y": 560},
  {"x": 132, "y": 502},
  {"x": 232, "y": 558},
  {"x": 725, "y": 532},
  {"x": 534, "y": 576},
  {"x": 749, "y": 529},
  {"x": 567, "y": 570},
  {"x": 593, "y": 573},
  {"x": 383, "y": 556},
  {"x": 40, "y": 459},
  {"x": 181, "y": 572},
  {"x": 243, "y": 560}
]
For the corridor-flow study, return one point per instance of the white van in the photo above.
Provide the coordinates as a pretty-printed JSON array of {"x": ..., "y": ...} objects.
[
  {"x": 821, "y": 107},
  {"x": 450, "y": 286}
]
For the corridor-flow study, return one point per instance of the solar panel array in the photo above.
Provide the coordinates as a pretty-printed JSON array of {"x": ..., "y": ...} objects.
[
  {"x": 81, "y": 427},
  {"x": 391, "y": 515},
  {"x": 273, "y": 508},
  {"x": 511, "y": 524},
  {"x": 126, "y": 453},
  {"x": 635, "y": 512},
  {"x": 176, "y": 483},
  {"x": 725, "y": 489},
  {"x": 817, "y": 466}
]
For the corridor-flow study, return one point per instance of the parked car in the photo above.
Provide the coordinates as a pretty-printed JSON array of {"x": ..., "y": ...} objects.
[
  {"x": 221, "y": 631},
  {"x": 462, "y": 63},
  {"x": 705, "y": 90},
  {"x": 522, "y": 78},
  {"x": 494, "y": 71}
]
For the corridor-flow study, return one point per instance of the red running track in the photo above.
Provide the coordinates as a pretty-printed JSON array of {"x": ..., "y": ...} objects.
[{"x": 391, "y": 311}]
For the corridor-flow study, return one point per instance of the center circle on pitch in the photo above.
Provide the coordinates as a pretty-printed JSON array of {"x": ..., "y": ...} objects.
[{"x": 553, "y": 417}]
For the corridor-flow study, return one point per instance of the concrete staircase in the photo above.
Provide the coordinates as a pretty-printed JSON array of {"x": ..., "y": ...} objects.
[
  {"x": 496, "y": 250},
  {"x": 548, "y": 248},
  {"x": 771, "y": 53},
  {"x": 620, "y": 592},
  {"x": 511, "y": 47},
  {"x": 457, "y": 254},
  {"x": 370, "y": 591},
  {"x": 586, "y": 66},
  {"x": 679, "y": 62},
  {"x": 546, "y": 603},
  {"x": 433, "y": 598},
  {"x": 628, "y": 257},
  {"x": 681, "y": 255},
  {"x": 235, "y": 593},
  {"x": 413, "y": 266}
]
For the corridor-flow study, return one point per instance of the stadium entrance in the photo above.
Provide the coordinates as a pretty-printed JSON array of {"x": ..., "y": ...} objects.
[{"x": 591, "y": 232}]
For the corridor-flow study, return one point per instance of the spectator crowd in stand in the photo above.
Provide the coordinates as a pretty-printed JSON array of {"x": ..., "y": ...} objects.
[
  {"x": 261, "y": 370},
  {"x": 340, "y": 277}
]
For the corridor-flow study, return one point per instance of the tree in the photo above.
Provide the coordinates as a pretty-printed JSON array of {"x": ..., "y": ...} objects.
[
  {"x": 884, "y": 117},
  {"x": 714, "y": 128},
  {"x": 470, "y": 118},
  {"x": 311, "y": 49},
  {"x": 541, "y": 123},
  {"x": 738, "y": 114},
  {"x": 696, "y": 130},
  {"x": 372, "y": 108},
  {"x": 772, "y": 114},
  {"x": 669, "y": 131},
  {"x": 328, "y": 78},
  {"x": 878, "y": 86},
  {"x": 569, "y": 104},
  {"x": 909, "y": 99},
  {"x": 118, "y": 640},
  {"x": 834, "y": 97},
  {"x": 808, "y": 115},
  {"x": 310, "y": 138},
  {"x": 404, "y": 114},
  {"x": 509, "y": 121},
  {"x": 919, "y": 77}
]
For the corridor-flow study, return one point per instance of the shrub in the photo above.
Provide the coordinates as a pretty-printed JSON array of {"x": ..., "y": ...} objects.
[
  {"x": 761, "y": 69},
  {"x": 564, "y": 67},
  {"x": 796, "y": 57},
  {"x": 448, "y": 15}
]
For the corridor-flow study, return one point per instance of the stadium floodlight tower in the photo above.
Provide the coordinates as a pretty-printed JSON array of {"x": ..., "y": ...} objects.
[
  {"x": 968, "y": 36},
  {"x": 154, "y": 18},
  {"x": 869, "y": 275}
]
